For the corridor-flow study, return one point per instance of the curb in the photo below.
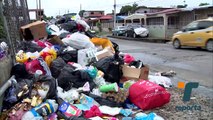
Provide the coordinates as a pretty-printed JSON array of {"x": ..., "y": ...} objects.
[{"x": 151, "y": 40}]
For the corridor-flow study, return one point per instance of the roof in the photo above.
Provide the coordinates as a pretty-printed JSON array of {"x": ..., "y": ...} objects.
[
  {"x": 145, "y": 7},
  {"x": 106, "y": 17},
  {"x": 94, "y": 10},
  {"x": 135, "y": 16},
  {"x": 197, "y": 8},
  {"x": 167, "y": 11},
  {"x": 95, "y": 15}
]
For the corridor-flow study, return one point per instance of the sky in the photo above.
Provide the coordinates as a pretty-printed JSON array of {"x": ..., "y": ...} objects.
[{"x": 56, "y": 7}]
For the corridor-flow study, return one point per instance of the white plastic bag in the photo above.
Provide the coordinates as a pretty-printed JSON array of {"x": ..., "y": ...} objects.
[
  {"x": 83, "y": 23},
  {"x": 86, "y": 56},
  {"x": 113, "y": 111},
  {"x": 161, "y": 80},
  {"x": 78, "y": 41}
]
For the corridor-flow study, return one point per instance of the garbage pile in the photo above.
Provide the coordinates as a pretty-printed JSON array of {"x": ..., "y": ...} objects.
[{"x": 66, "y": 72}]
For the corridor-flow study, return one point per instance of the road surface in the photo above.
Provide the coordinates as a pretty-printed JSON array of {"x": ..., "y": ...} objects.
[{"x": 190, "y": 64}]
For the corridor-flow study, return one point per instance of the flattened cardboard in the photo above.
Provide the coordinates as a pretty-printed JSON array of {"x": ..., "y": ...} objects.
[
  {"x": 130, "y": 73},
  {"x": 35, "y": 30},
  {"x": 104, "y": 53}
]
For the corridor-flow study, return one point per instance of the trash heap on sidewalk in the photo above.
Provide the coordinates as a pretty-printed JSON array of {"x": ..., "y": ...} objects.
[{"x": 66, "y": 72}]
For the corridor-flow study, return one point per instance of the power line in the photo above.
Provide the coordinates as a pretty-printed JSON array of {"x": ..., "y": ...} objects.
[{"x": 118, "y": 5}]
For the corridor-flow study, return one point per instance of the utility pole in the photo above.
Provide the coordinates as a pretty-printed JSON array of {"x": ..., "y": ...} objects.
[
  {"x": 80, "y": 7},
  {"x": 114, "y": 14},
  {"x": 40, "y": 9},
  {"x": 37, "y": 9}
]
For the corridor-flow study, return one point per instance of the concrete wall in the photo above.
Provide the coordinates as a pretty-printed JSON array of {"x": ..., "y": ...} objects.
[
  {"x": 156, "y": 31},
  {"x": 203, "y": 13},
  {"x": 5, "y": 68},
  {"x": 5, "y": 65}
]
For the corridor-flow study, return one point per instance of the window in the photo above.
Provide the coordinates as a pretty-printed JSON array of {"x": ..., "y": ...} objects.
[
  {"x": 173, "y": 22},
  {"x": 192, "y": 26},
  {"x": 204, "y": 24},
  {"x": 92, "y": 13},
  {"x": 155, "y": 21},
  {"x": 136, "y": 20}
]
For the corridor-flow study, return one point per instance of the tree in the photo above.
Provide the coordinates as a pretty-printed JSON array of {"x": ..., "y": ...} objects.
[
  {"x": 182, "y": 6},
  {"x": 81, "y": 13},
  {"x": 203, "y": 4},
  {"x": 128, "y": 9}
]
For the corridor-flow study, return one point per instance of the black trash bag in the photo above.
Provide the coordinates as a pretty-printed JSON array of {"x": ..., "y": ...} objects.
[
  {"x": 70, "y": 26},
  {"x": 116, "y": 47},
  {"x": 13, "y": 94},
  {"x": 52, "y": 93},
  {"x": 69, "y": 77},
  {"x": 90, "y": 34},
  {"x": 28, "y": 46},
  {"x": 63, "y": 35},
  {"x": 105, "y": 101},
  {"x": 68, "y": 56},
  {"x": 19, "y": 70},
  {"x": 111, "y": 66},
  {"x": 56, "y": 66},
  {"x": 137, "y": 64},
  {"x": 62, "y": 20},
  {"x": 77, "y": 118}
]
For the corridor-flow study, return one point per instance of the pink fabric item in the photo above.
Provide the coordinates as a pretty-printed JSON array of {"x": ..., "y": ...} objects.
[
  {"x": 94, "y": 111},
  {"x": 43, "y": 44},
  {"x": 80, "y": 28},
  {"x": 128, "y": 58},
  {"x": 17, "y": 116},
  {"x": 32, "y": 66}
]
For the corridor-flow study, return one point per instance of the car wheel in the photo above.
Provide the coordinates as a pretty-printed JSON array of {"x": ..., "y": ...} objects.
[
  {"x": 209, "y": 45},
  {"x": 134, "y": 35},
  {"x": 147, "y": 35},
  {"x": 176, "y": 44},
  {"x": 126, "y": 34}
]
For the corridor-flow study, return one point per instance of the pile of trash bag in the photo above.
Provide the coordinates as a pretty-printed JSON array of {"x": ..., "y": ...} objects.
[{"x": 70, "y": 75}]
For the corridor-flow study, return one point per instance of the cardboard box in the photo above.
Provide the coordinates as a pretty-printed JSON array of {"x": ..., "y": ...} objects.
[
  {"x": 35, "y": 30},
  {"x": 104, "y": 53},
  {"x": 135, "y": 73}
]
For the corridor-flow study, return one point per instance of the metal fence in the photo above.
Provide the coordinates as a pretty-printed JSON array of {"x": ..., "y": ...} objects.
[{"x": 14, "y": 14}]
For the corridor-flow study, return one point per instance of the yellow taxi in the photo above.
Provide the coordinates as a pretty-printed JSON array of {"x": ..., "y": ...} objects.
[{"x": 196, "y": 34}]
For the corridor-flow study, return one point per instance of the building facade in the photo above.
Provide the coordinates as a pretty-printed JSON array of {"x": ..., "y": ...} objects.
[{"x": 92, "y": 14}]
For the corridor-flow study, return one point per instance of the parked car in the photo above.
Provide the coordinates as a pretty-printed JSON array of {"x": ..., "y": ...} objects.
[
  {"x": 196, "y": 34},
  {"x": 119, "y": 30},
  {"x": 135, "y": 31}
]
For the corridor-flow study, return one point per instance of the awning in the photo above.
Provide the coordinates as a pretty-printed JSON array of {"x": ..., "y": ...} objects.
[
  {"x": 135, "y": 16},
  {"x": 120, "y": 17}
]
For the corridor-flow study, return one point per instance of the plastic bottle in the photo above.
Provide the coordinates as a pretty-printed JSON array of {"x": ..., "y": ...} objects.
[{"x": 44, "y": 109}]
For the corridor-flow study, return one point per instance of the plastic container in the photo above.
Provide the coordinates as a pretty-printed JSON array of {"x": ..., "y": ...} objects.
[{"x": 44, "y": 109}]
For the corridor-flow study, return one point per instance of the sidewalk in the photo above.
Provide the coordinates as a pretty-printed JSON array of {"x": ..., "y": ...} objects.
[{"x": 152, "y": 40}]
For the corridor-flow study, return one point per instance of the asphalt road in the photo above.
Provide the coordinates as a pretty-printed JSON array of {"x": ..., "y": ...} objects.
[{"x": 190, "y": 64}]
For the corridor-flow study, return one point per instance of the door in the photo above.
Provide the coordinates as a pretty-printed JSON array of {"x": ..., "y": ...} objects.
[
  {"x": 188, "y": 33},
  {"x": 202, "y": 34}
]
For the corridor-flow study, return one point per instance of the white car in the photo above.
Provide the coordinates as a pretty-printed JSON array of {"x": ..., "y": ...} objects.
[{"x": 136, "y": 30}]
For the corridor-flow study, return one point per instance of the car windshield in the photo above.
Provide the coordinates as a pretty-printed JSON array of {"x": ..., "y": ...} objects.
[
  {"x": 134, "y": 26},
  {"x": 121, "y": 27}
]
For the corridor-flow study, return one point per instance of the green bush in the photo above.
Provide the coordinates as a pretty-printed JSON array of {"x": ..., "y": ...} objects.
[{"x": 98, "y": 24}]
